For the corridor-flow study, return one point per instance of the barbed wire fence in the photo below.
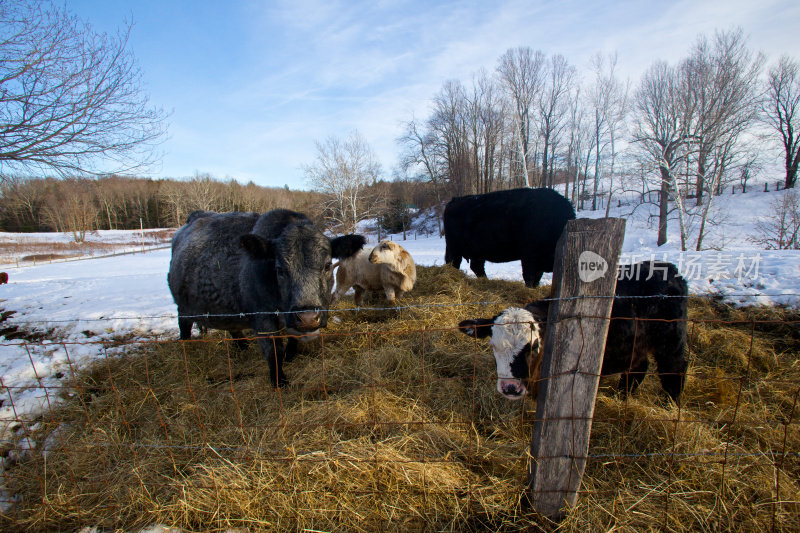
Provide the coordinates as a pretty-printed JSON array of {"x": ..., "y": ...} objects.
[
  {"x": 26, "y": 441},
  {"x": 399, "y": 425}
]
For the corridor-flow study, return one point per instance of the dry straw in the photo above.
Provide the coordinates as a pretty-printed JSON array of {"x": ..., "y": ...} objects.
[{"x": 393, "y": 424}]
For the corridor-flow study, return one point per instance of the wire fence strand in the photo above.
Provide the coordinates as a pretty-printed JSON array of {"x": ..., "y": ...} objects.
[{"x": 418, "y": 403}]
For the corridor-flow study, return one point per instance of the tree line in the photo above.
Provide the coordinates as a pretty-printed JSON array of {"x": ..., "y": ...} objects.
[
  {"x": 81, "y": 205},
  {"x": 676, "y": 138}
]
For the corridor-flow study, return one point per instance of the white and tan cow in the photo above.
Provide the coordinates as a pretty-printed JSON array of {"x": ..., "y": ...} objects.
[{"x": 388, "y": 267}]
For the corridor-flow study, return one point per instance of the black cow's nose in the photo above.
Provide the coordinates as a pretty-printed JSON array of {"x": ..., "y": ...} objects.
[{"x": 308, "y": 319}]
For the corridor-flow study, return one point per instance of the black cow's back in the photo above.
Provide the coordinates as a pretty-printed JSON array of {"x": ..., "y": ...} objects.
[
  {"x": 518, "y": 224},
  {"x": 205, "y": 264}
]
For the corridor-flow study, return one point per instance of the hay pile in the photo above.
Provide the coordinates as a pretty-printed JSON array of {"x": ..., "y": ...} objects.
[{"x": 393, "y": 423}]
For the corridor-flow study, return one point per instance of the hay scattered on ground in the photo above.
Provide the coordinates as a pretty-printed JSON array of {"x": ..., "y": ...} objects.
[{"x": 393, "y": 423}]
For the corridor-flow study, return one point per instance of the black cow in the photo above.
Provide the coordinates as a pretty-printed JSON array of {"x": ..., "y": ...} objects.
[
  {"x": 265, "y": 272},
  {"x": 651, "y": 291},
  {"x": 502, "y": 226}
]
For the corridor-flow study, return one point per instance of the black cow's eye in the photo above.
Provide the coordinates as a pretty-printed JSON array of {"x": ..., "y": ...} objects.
[{"x": 328, "y": 266}]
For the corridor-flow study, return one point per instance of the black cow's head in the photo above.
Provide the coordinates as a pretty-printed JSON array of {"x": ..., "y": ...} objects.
[
  {"x": 515, "y": 340},
  {"x": 300, "y": 266}
]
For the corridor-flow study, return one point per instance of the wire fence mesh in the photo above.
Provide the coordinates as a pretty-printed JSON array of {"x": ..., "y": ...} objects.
[{"x": 388, "y": 427}]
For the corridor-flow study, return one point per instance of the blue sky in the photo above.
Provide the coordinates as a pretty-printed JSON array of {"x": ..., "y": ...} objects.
[{"x": 253, "y": 84}]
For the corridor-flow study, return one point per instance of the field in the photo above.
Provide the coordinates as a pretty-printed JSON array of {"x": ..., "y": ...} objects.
[
  {"x": 393, "y": 423},
  {"x": 16, "y": 249}
]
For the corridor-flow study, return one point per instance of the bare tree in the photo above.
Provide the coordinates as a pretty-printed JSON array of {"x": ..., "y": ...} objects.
[
  {"x": 173, "y": 196},
  {"x": 342, "y": 171},
  {"x": 605, "y": 98},
  {"x": 24, "y": 200},
  {"x": 781, "y": 111},
  {"x": 484, "y": 119},
  {"x": 780, "y": 229},
  {"x": 204, "y": 193},
  {"x": 584, "y": 149},
  {"x": 420, "y": 157},
  {"x": 574, "y": 144},
  {"x": 554, "y": 110},
  {"x": 609, "y": 98},
  {"x": 71, "y": 207},
  {"x": 657, "y": 132},
  {"x": 72, "y": 100},
  {"x": 718, "y": 105},
  {"x": 718, "y": 89},
  {"x": 750, "y": 167},
  {"x": 521, "y": 72},
  {"x": 109, "y": 199},
  {"x": 448, "y": 124}
]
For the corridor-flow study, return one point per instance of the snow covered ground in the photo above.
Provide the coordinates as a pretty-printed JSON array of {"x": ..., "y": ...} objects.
[
  {"x": 31, "y": 248},
  {"x": 80, "y": 304}
]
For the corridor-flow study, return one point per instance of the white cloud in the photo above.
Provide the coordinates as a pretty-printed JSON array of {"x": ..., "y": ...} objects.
[{"x": 304, "y": 70}]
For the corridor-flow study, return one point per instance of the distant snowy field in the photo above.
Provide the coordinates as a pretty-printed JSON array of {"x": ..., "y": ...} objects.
[
  {"x": 21, "y": 249},
  {"x": 82, "y": 303}
]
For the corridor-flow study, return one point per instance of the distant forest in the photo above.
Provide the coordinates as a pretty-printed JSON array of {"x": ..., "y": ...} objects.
[{"x": 81, "y": 205}]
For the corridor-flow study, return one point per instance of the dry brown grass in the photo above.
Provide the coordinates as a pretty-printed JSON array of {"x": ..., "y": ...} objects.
[{"x": 394, "y": 424}]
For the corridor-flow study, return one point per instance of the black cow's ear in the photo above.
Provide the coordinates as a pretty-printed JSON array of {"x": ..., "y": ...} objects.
[
  {"x": 347, "y": 245},
  {"x": 539, "y": 309},
  {"x": 256, "y": 246},
  {"x": 476, "y": 327}
]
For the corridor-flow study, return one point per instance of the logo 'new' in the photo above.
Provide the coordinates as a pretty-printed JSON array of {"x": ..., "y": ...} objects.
[{"x": 591, "y": 266}]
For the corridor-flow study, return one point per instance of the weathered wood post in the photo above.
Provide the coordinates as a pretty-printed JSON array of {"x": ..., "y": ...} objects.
[{"x": 584, "y": 280}]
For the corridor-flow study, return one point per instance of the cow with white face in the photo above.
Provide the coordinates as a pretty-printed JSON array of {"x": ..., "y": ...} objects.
[
  {"x": 648, "y": 318},
  {"x": 515, "y": 341}
]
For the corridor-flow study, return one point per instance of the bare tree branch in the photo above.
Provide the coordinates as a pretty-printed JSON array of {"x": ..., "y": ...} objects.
[
  {"x": 342, "y": 171},
  {"x": 521, "y": 72},
  {"x": 781, "y": 110},
  {"x": 71, "y": 100}
]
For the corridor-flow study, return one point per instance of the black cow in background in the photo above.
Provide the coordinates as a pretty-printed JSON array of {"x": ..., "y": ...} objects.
[
  {"x": 652, "y": 291},
  {"x": 266, "y": 272},
  {"x": 502, "y": 226}
]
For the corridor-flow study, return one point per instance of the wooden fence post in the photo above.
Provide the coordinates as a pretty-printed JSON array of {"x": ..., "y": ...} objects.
[{"x": 584, "y": 280}]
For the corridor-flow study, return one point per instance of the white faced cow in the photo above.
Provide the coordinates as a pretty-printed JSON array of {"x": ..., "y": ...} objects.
[
  {"x": 648, "y": 317},
  {"x": 515, "y": 341}
]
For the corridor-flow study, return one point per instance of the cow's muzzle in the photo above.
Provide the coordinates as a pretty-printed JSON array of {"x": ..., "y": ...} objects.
[
  {"x": 307, "y": 320},
  {"x": 511, "y": 388}
]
